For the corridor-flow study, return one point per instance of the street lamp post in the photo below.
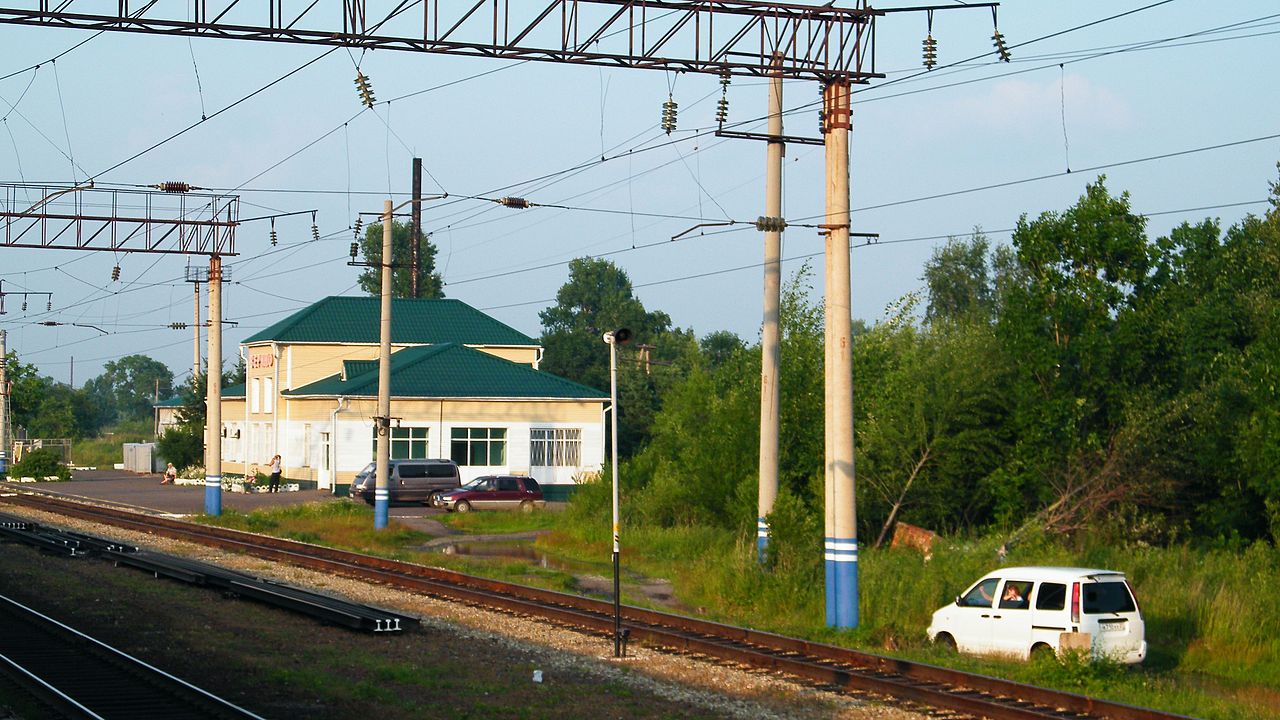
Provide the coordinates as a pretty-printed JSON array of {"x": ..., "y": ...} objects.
[{"x": 613, "y": 339}]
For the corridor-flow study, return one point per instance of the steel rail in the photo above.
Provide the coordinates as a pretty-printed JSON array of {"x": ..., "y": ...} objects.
[
  {"x": 80, "y": 676},
  {"x": 969, "y": 693}
]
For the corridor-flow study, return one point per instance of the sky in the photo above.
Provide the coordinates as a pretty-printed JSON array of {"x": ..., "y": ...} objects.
[{"x": 1170, "y": 102}]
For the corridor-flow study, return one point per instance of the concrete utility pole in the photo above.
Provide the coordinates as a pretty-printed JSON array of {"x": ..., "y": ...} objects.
[
  {"x": 841, "y": 543},
  {"x": 416, "y": 229},
  {"x": 195, "y": 325},
  {"x": 4, "y": 406},
  {"x": 213, "y": 395},
  {"x": 381, "y": 494},
  {"x": 770, "y": 343}
]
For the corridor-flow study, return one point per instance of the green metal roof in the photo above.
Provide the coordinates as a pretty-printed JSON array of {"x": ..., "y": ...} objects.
[
  {"x": 343, "y": 319},
  {"x": 174, "y": 401},
  {"x": 352, "y": 368},
  {"x": 451, "y": 371},
  {"x": 236, "y": 390}
]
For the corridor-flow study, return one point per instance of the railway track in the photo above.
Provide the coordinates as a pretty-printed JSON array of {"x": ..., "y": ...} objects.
[
  {"x": 80, "y": 677},
  {"x": 936, "y": 687}
]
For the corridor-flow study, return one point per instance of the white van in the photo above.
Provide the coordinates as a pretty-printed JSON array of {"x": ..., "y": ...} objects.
[{"x": 1018, "y": 611}]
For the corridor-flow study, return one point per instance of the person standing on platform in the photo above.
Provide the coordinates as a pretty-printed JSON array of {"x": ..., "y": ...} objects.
[{"x": 274, "y": 485}]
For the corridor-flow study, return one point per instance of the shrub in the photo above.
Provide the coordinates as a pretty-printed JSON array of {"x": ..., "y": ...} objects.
[
  {"x": 183, "y": 446},
  {"x": 40, "y": 463}
]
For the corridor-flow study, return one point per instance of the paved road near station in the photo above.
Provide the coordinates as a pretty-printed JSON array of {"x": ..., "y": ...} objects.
[{"x": 145, "y": 492}]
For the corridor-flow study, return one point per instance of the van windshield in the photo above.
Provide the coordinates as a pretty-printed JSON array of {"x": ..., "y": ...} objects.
[{"x": 1107, "y": 597}]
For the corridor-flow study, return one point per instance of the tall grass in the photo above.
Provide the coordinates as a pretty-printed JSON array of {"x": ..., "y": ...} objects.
[
  {"x": 1213, "y": 621},
  {"x": 106, "y": 450}
]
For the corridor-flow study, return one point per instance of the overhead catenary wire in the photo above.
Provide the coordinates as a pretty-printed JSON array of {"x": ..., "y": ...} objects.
[{"x": 886, "y": 241}]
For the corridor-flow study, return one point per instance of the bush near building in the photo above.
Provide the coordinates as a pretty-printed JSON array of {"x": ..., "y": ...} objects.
[{"x": 40, "y": 463}]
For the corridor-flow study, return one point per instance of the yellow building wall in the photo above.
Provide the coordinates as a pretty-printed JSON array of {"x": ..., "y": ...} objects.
[{"x": 293, "y": 413}]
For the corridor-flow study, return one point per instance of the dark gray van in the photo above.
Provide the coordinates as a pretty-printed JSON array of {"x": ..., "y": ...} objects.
[{"x": 415, "y": 481}]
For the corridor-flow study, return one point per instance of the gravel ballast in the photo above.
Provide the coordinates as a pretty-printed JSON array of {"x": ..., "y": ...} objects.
[{"x": 464, "y": 662}]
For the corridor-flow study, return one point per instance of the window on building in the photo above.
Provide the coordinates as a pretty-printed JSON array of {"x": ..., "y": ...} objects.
[
  {"x": 478, "y": 446},
  {"x": 407, "y": 443},
  {"x": 268, "y": 395},
  {"x": 555, "y": 447},
  {"x": 255, "y": 395}
]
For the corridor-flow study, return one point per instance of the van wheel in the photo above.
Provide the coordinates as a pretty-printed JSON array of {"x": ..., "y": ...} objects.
[
  {"x": 526, "y": 506},
  {"x": 1041, "y": 652},
  {"x": 431, "y": 499},
  {"x": 462, "y": 506},
  {"x": 945, "y": 642}
]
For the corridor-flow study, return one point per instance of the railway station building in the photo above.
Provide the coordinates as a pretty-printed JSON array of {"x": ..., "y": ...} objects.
[{"x": 463, "y": 386}]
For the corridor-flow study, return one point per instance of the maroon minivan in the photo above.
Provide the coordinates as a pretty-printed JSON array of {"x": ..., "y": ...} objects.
[{"x": 493, "y": 492}]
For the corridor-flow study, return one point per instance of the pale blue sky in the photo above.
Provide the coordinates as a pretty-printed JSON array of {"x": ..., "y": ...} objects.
[{"x": 120, "y": 93}]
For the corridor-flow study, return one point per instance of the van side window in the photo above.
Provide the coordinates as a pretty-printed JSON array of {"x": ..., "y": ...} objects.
[
  {"x": 1053, "y": 596},
  {"x": 531, "y": 485},
  {"x": 411, "y": 470},
  {"x": 982, "y": 594},
  {"x": 508, "y": 484},
  {"x": 441, "y": 470},
  {"x": 1015, "y": 594}
]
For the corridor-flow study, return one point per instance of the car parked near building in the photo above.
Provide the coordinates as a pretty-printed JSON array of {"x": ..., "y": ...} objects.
[
  {"x": 493, "y": 492},
  {"x": 417, "y": 481},
  {"x": 1021, "y": 611}
]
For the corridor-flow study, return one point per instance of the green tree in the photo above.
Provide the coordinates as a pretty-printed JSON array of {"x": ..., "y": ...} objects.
[
  {"x": 430, "y": 284},
  {"x": 182, "y": 445},
  {"x": 930, "y": 421},
  {"x": 720, "y": 346},
  {"x": 131, "y": 385},
  {"x": 597, "y": 299},
  {"x": 46, "y": 408},
  {"x": 1079, "y": 270}
]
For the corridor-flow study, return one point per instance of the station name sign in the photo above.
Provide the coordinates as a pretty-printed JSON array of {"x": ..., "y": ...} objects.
[{"x": 264, "y": 360}]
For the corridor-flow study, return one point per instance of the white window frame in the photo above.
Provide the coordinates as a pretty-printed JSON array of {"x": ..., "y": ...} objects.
[{"x": 555, "y": 446}]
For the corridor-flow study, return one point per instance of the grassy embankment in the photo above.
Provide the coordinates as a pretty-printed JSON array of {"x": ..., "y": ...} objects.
[
  {"x": 1213, "y": 622},
  {"x": 105, "y": 450}
]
